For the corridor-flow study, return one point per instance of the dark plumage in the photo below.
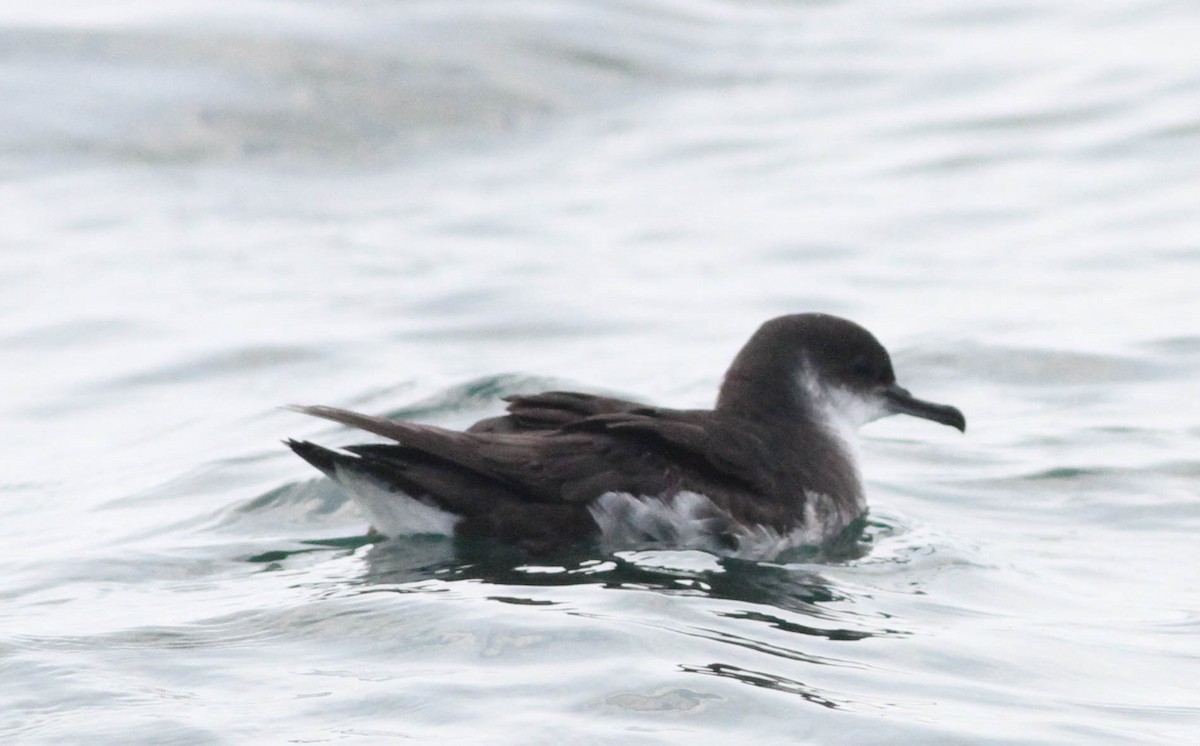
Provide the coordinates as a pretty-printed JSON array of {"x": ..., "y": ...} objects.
[{"x": 767, "y": 468}]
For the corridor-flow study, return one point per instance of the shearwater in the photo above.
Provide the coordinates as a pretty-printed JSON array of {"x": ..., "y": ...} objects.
[{"x": 770, "y": 467}]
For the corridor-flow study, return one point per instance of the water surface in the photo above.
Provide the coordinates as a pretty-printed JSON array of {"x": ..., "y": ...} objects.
[{"x": 418, "y": 208}]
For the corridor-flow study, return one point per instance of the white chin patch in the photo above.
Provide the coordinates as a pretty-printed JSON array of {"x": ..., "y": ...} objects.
[
  {"x": 692, "y": 521},
  {"x": 391, "y": 512},
  {"x": 855, "y": 410},
  {"x": 846, "y": 410}
]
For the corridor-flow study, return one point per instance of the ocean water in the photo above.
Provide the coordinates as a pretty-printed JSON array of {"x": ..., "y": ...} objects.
[{"x": 415, "y": 208}]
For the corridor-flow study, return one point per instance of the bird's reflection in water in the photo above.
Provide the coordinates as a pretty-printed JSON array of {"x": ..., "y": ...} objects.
[
  {"x": 402, "y": 564},
  {"x": 768, "y": 598}
]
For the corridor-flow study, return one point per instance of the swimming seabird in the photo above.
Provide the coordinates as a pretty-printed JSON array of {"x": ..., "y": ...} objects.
[{"x": 772, "y": 466}]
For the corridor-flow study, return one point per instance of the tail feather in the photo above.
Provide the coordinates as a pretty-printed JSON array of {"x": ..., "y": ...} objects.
[
  {"x": 417, "y": 441},
  {"x": 324, "y": 459},
  {"x": 397, "y": 430},
  {"x": 437, "y": 481}
]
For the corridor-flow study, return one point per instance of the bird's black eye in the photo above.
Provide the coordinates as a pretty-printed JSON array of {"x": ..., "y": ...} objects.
[{"x": 861, "y": 367}]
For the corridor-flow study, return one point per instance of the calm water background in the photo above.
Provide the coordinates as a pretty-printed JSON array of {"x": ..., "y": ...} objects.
[{"x": 417, "y": 207}]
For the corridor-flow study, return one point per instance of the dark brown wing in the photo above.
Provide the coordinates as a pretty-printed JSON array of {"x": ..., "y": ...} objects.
[
  {"x": 695, "y": 438},
  {"x": 551, "y": 410},
  {"x": 691, "y": 434},
  {"x": 645, "y": 452},
  {"x": 459, "y": 469}
]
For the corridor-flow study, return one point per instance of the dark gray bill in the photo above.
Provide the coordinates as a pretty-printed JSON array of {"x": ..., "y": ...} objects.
[{"x": 902, "y": 402}]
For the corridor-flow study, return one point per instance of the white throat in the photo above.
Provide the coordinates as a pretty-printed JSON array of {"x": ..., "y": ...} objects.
[{"x": 842, "y": 408}]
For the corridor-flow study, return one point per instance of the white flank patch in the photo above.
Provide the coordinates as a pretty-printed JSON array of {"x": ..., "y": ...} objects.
[
  {"x": 391, "y": 512},
  {"x": 690, "y": 520}
]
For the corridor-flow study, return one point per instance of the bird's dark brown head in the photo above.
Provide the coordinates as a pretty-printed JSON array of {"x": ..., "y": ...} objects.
[{"x": 814, "y": 364}]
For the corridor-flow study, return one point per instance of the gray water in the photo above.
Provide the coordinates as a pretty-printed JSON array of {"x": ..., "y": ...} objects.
[{"x": 414, "y": 208}]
